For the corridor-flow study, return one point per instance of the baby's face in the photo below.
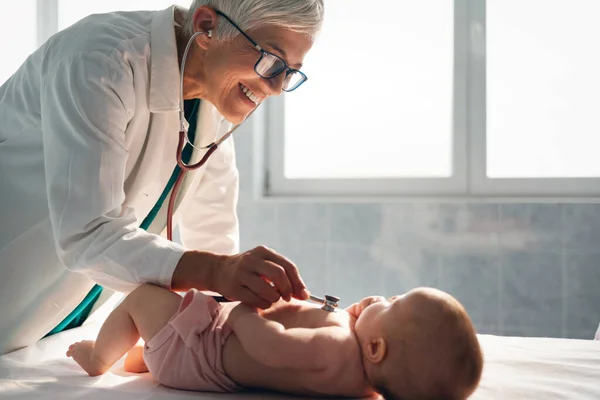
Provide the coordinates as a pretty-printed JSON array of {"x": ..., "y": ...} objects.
[{"x": 377, "y": 313}]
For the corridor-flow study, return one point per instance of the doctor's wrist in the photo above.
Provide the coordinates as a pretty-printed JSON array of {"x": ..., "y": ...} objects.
[{"x": 196, "y": 270}]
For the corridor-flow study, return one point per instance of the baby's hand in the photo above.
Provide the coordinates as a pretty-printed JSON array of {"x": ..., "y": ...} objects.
[
  {"x": 357, "y": 308},
  {"x": 367, "y": 301}
]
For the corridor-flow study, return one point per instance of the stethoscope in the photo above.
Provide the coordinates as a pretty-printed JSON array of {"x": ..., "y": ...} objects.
[
  {"x": 330, "y": 303},
  {"x": 183, "y": 139}
]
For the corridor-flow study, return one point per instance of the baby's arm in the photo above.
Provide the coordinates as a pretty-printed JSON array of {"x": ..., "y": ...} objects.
[{"x": 272, "y": 344}]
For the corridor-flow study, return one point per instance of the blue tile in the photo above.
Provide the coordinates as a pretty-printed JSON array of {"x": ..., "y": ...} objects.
[
  {"x": 582, "y": 227},
  {"x": 358, "y": 224},
  {"x": 457, "y": 227},
  {"x": 481, "y": 221},
  {"x": 581, "y": 335},
  {"x": 488, "y": 212},
  {"x": 473, "y": 280},
  {"x": 583, "y": 293},
  {"x": 531, "y": 227},
  {"x": 476, "y": 218},
  {"x": 486, "y": 329},
  {"x": 435, "y": 218},
  {"x": 311, "y": 261},
  {"x": 583, "y": 274},
  {"x": 532, "y": 292},
  {"x": 408, "y": 268},
  {"x": 353, "y": 273},
  {"x": 258, "y": 226},
  {"x": 451, "y": 225},
  {"x": 304, "y": 223},
  {"x": 430, "y": 272},
  {"x": 416, "y": 224},
  {"x": 401, "y": 271},
  {"x": 531, "y": 331},
  {"x": 401, "y": 225}
]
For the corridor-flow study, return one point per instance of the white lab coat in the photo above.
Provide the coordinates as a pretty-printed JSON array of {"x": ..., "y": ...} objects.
[{"x": 88, "y": 133}]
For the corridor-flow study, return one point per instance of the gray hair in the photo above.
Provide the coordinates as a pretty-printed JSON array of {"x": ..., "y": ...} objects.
[{"x": 302, "y": 16}]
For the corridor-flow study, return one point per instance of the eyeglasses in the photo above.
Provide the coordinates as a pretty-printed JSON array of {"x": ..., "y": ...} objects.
[{"x": 270, "y": 65}]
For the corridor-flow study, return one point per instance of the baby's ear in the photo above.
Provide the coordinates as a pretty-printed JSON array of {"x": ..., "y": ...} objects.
[{"x": 375, "y": 350}]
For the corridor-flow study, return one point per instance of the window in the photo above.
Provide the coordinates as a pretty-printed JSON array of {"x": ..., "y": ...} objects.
[
  {"x": 71, "y": 11},
  {"x": 375, "y": 82},
  {"x": 19, "y": 33},
  {"x": 542, "y": 99},
  {"x": 392, "y": 96},
  {"x": 27, "y": 24},
  {"x": 552, "y": 94},
  {"x": 470, "y": 97}
]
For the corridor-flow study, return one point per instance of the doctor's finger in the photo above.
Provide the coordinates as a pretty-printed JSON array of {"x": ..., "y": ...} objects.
[
  {"x": 262, "y": 289},
  {"x": 292, "y": 273},
  {"x": 247, "y": 296},
  {"x": 276, "y": 274}
]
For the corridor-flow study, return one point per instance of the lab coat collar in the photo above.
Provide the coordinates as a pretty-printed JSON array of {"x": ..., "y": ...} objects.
[{"x": 164, "y": 74}]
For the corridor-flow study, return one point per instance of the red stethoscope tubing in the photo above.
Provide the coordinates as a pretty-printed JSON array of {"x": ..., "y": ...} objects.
[{"x": 184, "y": 168}]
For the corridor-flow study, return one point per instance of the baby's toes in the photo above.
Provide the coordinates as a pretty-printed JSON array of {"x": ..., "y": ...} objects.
[{"x": 70, "y": 351}]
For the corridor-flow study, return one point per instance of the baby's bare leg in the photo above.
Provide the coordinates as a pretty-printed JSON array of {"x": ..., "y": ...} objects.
[
  {"x": 134, "y": 362},
  {"x": 145, "y": 311}
]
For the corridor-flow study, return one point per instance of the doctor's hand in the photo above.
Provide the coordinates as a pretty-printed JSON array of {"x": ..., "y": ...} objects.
[{"x": 246, "y": 277}]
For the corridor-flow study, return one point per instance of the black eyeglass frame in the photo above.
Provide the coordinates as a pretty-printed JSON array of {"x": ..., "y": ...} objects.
[{"x": 288, "y": 70}]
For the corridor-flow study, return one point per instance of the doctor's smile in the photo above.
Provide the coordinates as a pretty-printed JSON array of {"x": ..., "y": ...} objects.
[
  {"x": 238, "y": 74},
  {"x": 250, "y": 95}
]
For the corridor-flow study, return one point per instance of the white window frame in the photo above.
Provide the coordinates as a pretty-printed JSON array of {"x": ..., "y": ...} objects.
[
  {"x": 469, "y": 160},
  {"x": 47, "y": 19},
  {"x": 46, "y": 23},
  {"x": 480, "y": 184}
]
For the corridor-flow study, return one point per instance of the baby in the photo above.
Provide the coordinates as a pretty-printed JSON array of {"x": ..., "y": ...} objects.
[{"x": 420, "y": 345}]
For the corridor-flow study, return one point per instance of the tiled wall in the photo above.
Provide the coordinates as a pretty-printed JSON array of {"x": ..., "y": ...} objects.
[{"x": 519, "y": 269}]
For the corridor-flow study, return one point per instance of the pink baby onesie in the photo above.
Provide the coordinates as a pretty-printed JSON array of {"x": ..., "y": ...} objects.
[{"x": 186, "y": 353}]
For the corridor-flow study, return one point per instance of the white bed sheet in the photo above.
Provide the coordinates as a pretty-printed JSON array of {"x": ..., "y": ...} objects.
[{"x": 515, "y": 368}]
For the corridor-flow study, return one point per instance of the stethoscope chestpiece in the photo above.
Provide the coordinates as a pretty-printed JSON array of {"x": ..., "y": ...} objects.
[{"x": 330, "y": 303}]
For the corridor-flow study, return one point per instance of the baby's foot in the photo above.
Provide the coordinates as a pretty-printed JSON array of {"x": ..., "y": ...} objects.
[{"x": 83, "y": 353}]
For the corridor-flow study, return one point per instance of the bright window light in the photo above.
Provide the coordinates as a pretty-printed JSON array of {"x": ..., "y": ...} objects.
[
  {"x": 71, "y": 11},
  {"x": 19, "y": 35},
  {"x": 543, "y": 89},
  {"x": 378, "y": 100}
]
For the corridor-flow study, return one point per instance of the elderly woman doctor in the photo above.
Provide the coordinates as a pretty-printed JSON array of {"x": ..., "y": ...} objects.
[{"x": 88, "y": 136}]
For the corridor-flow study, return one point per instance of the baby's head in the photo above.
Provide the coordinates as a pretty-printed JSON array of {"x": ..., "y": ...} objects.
[{"x": 421, "y": 345}]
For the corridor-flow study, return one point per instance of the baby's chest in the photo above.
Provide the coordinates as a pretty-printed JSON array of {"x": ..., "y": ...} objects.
[{"x": 297, "y": 315}]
